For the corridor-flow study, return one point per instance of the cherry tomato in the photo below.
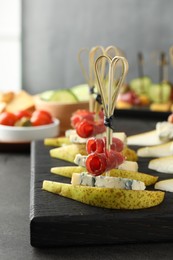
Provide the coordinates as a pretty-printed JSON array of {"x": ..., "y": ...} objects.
[
  {"x": 7, "y": 118},
  {"x": 23, "y": 113},
  {"x": 41, "y": 117},
  {"x": 96, "y": 163}
]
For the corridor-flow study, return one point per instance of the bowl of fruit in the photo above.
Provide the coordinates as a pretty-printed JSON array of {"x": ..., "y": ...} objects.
[
  {"x": 62, "y": 103},
  {"x": 26, "y": 126}
]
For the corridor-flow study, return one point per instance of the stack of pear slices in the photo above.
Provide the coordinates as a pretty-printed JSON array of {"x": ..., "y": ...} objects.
[
  {"x": 161, "y": 150},
  {"x": 101, "y": 196},
  {"x": 111, "y": 198}
]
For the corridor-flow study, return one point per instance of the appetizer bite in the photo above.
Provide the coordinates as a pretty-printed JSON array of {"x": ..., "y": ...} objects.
[
  {"x": 142, "y": 92},
  {"x": 162, "y": 134},
  {"x": 161, "y": 150},
  {"x": 99, "y": 179}
]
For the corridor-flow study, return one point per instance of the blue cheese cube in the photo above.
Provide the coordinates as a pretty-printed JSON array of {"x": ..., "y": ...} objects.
[{"x": 106, "y": 182}]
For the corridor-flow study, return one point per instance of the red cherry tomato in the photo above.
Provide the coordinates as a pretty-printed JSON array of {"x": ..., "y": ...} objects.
[
  {"x": 23, "y": 113},
  {"x": 7, "y": 118},
  {"x": 96, "y": 163},
  {"x": 40, "y": 117}
]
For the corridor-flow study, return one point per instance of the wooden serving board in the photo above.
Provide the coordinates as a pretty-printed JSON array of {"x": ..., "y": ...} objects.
[{"x": 57, "y": 221}]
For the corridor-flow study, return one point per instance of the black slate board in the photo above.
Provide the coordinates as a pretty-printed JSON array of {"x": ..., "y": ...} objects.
[
  {"x": 137, "y": 112},
  {"x": 57, "y": 221}
]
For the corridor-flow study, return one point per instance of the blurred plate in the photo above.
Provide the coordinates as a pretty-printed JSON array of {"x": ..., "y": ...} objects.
[{"x": 20, "y": 134}]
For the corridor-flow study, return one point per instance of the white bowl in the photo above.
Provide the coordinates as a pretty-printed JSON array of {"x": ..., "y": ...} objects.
[{"x": 30, "y": 133}]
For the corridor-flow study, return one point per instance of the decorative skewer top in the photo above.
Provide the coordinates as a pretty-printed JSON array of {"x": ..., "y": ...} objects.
[
  {"x": 109, "y": 92},
  {"x": 86, "y": 60}
]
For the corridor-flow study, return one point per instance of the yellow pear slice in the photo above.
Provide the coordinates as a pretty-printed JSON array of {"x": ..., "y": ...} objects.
[
  {"x": 165, "y": 185},
  {"x": 130, "y": 154},
  {"x": 68, "y": 152},
  {"x": 58, "y": 141},
  {"x": 67, "y": 171},
  {"x": 156, "y": 150},
  {"x": 106, "y": 197},
  {"x": 162, "y": 164},
  {"x": 144, "y": 139},
  {"x": 139, "y": 176}
]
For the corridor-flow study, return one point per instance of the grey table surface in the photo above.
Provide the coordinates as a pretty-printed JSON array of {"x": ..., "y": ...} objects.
[{"x": 14, "y": 223}]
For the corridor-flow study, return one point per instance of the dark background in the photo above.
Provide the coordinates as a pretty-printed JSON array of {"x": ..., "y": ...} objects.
[{"x": 53, "y": 31}]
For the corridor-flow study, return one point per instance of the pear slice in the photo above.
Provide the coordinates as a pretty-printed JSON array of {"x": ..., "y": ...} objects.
[
  {"x": 165, "y": 185},
  {"x": 68, "y": 152},
  {"x": 144, "y": 139},
  {"x": 162, "y": 164},
  {"x": 67, "y": 171},
  {"x": 106, "y": 197},
  {"x": 139, "y": 176},
  {"x": 156, "y": 150},
  {"x": 58, "y": 141},
  {"x": 129, "y": 154}
]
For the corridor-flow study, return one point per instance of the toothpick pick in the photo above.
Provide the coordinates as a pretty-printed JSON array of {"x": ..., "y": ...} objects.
[
  {"x": 88, "y": 71},
  {"x": 171, "y": 54},
  {"x": 109, "y": 98}
]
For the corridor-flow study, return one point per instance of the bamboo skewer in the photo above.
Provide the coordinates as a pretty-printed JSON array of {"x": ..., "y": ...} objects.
[
  {"x": 109, "y": 97},
  {"x": 140, "y": 65},
  {"x": 113, "y": 51},
  {"x": 171, "y": 54},
  {"x": 163, "y": 73},
  {"x": 88, "y": 69}
]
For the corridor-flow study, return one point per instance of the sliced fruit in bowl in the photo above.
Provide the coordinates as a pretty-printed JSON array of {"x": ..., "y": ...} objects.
[
  {"x": 24, "y": 126},
  {"x": 61, "y": 96},
  {"x": 27, "y": 134},
  {"x": 79, "y": 93}
]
